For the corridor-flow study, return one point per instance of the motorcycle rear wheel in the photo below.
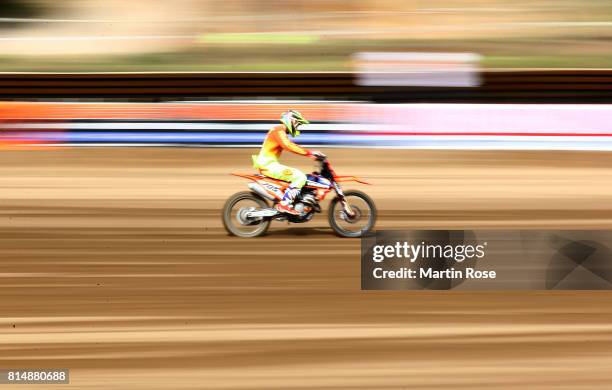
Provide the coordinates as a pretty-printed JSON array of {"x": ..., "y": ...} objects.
[
  {"x": 233, "y": 224},
  {"x": 364, "y": 207}
]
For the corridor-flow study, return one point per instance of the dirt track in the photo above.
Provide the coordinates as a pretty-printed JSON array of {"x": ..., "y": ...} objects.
[{"x": 115, "y": 265}]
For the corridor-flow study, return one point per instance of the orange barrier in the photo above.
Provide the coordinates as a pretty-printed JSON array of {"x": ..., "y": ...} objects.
[{"x": 181, "y": 111}]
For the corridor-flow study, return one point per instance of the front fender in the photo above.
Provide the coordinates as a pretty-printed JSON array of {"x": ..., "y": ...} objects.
[{"x": 342, "y": 179}]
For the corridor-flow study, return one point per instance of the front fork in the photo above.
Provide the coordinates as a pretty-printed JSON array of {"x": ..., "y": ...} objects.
[{"x": 346, "y": 207}]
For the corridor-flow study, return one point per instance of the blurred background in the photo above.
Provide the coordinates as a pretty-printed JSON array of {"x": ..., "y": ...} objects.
[
  {"x": 463, "y": 114},
  {"x": 304, "y": 35}
]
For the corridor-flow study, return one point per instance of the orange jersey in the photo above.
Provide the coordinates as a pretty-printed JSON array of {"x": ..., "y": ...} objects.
[{"x": 276, "y": 141}]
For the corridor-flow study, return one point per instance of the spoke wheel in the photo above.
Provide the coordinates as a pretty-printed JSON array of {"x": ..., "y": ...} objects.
[
  {"x": 235, "y": 215},
  {"x": 361, "y": 222}
]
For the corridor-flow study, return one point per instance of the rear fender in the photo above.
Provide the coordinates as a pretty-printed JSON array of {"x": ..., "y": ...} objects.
[
  {"x": 267, "y": 187},
  {"x": 249, "y": 176}
]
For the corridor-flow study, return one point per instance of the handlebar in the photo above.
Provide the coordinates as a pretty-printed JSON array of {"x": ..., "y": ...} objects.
[{"x": 318, "y": 156}]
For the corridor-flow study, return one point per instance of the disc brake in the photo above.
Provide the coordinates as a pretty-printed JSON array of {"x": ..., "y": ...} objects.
[
  {"x": 243, "y": 216},
  {"x": 351, "y": 218}
]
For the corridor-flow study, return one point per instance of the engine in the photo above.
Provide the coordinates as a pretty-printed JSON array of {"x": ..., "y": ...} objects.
[
  {"x": 309, "y": 199},
  {"x": 306, "y": 203}
]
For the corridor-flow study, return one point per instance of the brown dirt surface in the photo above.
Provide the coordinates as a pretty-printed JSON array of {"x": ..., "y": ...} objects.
[{"x": 115, "y": 265}]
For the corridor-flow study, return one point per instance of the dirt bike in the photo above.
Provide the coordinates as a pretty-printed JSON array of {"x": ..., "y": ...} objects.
[{"x": 350, "y": 214}]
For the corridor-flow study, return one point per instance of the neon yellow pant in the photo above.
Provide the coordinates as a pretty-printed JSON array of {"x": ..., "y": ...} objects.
[{"x": 279, "y": 171}]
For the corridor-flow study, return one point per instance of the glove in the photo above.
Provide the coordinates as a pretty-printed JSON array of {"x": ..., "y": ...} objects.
[{"x": 318, "y": 155}]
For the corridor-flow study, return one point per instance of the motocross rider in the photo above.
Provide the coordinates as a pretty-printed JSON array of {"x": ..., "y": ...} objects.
[{"x": 267, "y": 160}]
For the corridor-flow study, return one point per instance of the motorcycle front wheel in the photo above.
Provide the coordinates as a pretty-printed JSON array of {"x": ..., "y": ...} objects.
[
  {"x": 363, "y": 220},
  {"x": 234, "y": 216}
]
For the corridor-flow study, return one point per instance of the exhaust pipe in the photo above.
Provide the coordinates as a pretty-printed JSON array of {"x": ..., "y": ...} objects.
[{"x": 258, "y": 189}]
